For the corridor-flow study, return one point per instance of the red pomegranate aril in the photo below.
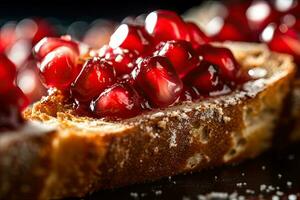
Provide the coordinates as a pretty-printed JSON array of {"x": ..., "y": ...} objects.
[
  {"x": 59, "y": 68},
  {"x": 237, "y": 10},
  {"x": 12, "y": 103},
  {"x": 181, "y": 55},
  {"x": 48, "y": 44},
  {"x": 127, "y": 79},
  {"x": 135, "y": 21},
  {"x": 10, "y": 118},
  {"x": 198, "y": 38},
  {"x": 130, "y": 37},
  {"x": 8, "y": 36},
  {"x": 165, "y": 25},
  {"x": 29, "y": 81},
  {"x": 16, "y": 97},
  {"x": 44, "y": 29},
  {"x": 259, "y": 15},
  {"x": 282, "y": 38},
  {"x": 157, "y": 79},
  {"x": 285, "y": 6},
  {"x": 96, "y": 75},
  {"x": 295, "y": 10},
  {"x": 231, "y": 30},
  {"x": 186, "y": 95},
  {"x": 120, "y": 100},
  {"x": 123, "y": 60},
  {"x": 205, "y": 78},
  {"x": 189, "y": 94},
  {"x": 223, "y": 58},
  {"x": 7, "y": 74}
]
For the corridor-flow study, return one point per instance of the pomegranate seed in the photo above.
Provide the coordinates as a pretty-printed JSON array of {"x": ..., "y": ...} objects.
[
  {"x": 223, "y": 58},
  {"x": 12, "y": 103},
  {"x": 231, "y": 31},
  {"x": 127, "y": 79},
  {"x": 283, "y": 39},
  {"x": 123, "y": 60},
  {"x": 189, "y": 94},
  {"x": 157, "y": 78},
  {"x": 10, "y": 118},
  {"x": 181, "y": 55},
  {"x": 237, "y": 10},
  {"x": 29, "y": 81},
  {"x": 99, "y": 33},
  {"x": 120, "y": 100},
  {"x": 130, "y": 37},
  {"x": 8, "y": 36},
  {"x": 46, "y": 45},
  {"x": 205, "y": 78},
  {"x": 197, "y": 36},
  {"x": 58, "y": 68},
  {"x": 95, "y": 76},
  {"x": 44, "y": 29},
  {"x": 16, "y": 97},
  {"x": 7, "y": 74},
  {"x": 294, "y": 9},
  {"x": 166, "y": 25},
  {"x": 259, "y": 15}
]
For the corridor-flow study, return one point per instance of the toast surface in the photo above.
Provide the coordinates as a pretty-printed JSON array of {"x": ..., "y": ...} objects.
[{"x": 83, "y": 154}]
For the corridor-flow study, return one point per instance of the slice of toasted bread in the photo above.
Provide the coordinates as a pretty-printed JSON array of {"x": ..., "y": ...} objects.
[{"x": 84, "y": 154}]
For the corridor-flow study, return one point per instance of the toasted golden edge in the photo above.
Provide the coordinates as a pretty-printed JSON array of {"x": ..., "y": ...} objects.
[{"x": 84, "y": 155}]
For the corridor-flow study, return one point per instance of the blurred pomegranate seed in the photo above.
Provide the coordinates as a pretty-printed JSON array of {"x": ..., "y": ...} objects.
[
  {"x": 197, "y": 36},
  {"x": 259, "y": 15},
  {"x": 282, "y": 38},
  {"x": 165, "y": 25},
  {"x": 120, "y": 100},
  {"x": 29, "y": 81},
  {"x": 135, "y": 21},
  {"x": 12, "y": 103},
  {"x": 17, "y": 98},
  {"x": 95, "y": 76},
  {"x": 237, "y": 9},
  {"x": 7, "y": 74},
  {"x": 44, "y": 29},
  {"x": 7, "y": 36},
  {"x": 181, "y": 55},
  {"x": 59, "y": 68},
  {"x": 223, "y": 59},
  {"x": 189, "y": 93},
  {"x": 286, "y": 6},
  {"x": 99, "y": 33},
  {"x": 157, "y": 79},
  {"x": 123, "y": 60},
  {"x": 19, "y": 52},
  {"x": 48, "y": 44},
  {"x": 130, "y": 37},
  {"x": 205, "y": 78},
  {"x": 231, "y": 30}
]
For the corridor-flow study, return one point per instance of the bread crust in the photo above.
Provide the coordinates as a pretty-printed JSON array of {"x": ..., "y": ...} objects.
[{"x": 84, "y": 154}]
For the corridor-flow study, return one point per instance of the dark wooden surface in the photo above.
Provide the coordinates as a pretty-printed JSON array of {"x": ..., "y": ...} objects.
[{"x": 275, "y": 174}]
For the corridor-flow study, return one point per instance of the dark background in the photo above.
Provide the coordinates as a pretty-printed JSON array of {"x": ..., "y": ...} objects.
[{"x": 87, "y": 9}]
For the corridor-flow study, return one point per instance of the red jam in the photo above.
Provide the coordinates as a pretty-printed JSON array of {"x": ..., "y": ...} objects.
[{"x": 155, "y": 63}]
